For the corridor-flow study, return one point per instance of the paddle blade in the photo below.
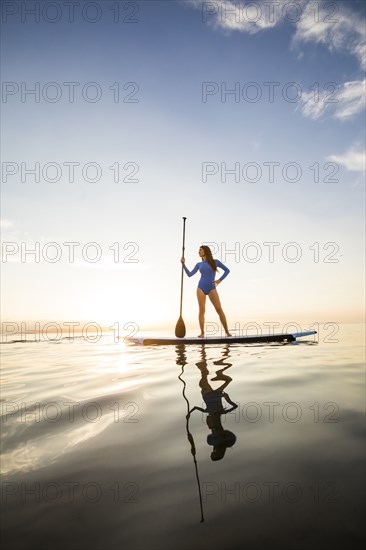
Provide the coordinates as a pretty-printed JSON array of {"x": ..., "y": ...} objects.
[{"x": 180, "y": 328}]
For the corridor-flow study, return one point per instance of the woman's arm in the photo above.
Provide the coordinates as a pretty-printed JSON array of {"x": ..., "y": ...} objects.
[
  {"x": 234, "y": 405},
  {"x": 198, "y": 409},
  {"x": 222, "y": 266},
  {"x": 231, "y": 409},
  {"x": 190, "y": 273}
]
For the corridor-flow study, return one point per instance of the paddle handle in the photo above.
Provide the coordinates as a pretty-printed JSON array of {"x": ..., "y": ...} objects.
[{"x": 182, "y": 276}]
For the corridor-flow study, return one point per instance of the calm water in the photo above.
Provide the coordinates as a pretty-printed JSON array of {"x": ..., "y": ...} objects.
[{"x": 98, "y": 453}]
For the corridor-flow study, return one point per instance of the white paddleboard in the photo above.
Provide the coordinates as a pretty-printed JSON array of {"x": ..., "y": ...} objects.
[{"x": 265, "y": 338}]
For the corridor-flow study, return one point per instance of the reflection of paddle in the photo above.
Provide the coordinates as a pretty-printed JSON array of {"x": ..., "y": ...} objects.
[
  {"x": 193, "y": 451},
  {"x": 180, "y": 328},
  {"x": 191, "y": 440}
]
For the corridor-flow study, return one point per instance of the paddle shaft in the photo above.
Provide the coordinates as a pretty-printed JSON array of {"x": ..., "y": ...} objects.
[{"x": 181, "y": 281}]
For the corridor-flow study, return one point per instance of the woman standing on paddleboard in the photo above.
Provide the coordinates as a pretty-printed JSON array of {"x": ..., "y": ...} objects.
[{"x": 207, "y": 286}]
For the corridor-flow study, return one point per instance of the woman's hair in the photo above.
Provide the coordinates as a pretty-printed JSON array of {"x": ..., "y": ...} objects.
[
  {"x": 209, "y": 258},
  {"x": 220, "y": 441}
]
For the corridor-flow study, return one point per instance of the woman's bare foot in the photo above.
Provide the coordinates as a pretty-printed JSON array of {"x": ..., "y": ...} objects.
[
  {"x": 228, "y": 334},
  {"x": 201, "y": 335}
]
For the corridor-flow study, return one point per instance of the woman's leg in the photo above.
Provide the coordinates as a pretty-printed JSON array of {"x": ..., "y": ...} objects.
[
  {"x": 214, "y": 297},
  {"x": 201, "y": 297}
]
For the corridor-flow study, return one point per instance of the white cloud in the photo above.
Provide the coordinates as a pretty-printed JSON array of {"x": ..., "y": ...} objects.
[
  {"x": 354, "y": 159},
  {"x": 311, "y": 105},
  {"x": 341, "y": 30},
  {"x": 352, "y": 99},
  {"x": 330, "y": 23},
  {"x": 250, "y": 17},
  {"x": 345, "y": 102}
]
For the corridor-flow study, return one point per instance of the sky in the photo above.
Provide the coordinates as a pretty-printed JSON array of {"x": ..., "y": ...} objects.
[{"x": 120, "y": 118}]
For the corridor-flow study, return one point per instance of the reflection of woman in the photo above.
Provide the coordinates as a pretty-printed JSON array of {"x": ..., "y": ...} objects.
[
  {"x": 220, "y": 439},
  {"x": 207, "y": 286}
]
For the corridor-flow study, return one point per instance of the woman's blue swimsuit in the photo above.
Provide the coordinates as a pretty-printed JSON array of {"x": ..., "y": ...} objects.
[{"x": 206, "y": 282}]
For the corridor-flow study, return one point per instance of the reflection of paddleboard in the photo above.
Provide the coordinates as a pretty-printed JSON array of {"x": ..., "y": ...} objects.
[{"x": 147, "y": 341}]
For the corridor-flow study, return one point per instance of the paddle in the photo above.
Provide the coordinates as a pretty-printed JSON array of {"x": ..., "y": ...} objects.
[{"x": 180, "y": 328}]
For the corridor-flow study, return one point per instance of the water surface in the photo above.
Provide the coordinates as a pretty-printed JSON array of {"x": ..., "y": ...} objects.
[{"x": 98, "y": 452}]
